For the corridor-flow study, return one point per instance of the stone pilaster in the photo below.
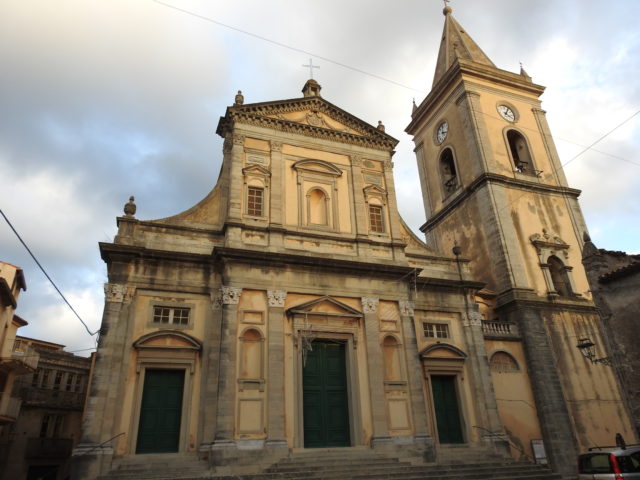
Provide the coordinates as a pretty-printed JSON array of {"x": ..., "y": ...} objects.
[
  {"x": 224, "y": 436},
  {"x": 475, "y": 133},
  {"x": 236, "y": 182},
  {"x": 420, "y": 425},
  {"x": 392, "y": 208},
  {"x": 93, "y": 454},
  {"x": 550, "y": 147},
  {"x": 380, "y": 434},
  {"x": 277, "y": 185},
  {"x": 210, "y": 370},
  {"x": 361, "y": 214},
  {"x": 482, "y": 384},
  {"x": 276, "y": 435}
]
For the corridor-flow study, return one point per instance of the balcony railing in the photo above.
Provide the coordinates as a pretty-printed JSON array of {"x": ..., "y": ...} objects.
[
  {"x": 51, "y": 398},
  {"x": 500, "y": 330}
]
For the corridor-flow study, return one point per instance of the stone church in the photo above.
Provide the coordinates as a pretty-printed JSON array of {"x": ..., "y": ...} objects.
[{"x": 293, "y": 309}]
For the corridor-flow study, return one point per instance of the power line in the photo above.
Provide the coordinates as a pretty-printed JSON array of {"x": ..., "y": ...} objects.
[
  {"x": 284, "y": 45},
  {"x": 46, "y": 274},
  {"x": 358, "y": 70}
]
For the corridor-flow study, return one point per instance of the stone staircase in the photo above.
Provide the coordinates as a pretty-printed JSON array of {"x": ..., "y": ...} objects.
[{"x": 341, "y": 464}]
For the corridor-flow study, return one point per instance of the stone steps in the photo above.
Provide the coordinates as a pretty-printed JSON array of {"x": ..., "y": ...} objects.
[{"x": 353, "y": 464}]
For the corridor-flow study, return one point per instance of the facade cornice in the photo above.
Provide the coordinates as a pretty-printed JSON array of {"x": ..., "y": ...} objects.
[
  {"x": 257, "y": 114},
  {"x": 493, "y": 178}
]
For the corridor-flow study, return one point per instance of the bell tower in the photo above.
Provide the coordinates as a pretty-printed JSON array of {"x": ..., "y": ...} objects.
[{"x": 492, "y": 183}]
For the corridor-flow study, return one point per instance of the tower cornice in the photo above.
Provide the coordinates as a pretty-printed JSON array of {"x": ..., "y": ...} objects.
[{"x": 459, "y": 71}]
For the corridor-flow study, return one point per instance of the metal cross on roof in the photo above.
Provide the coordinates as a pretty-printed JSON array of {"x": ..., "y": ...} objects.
[
  {"x": 445, "y": 2},
  {"x": 311, "y": 67}
]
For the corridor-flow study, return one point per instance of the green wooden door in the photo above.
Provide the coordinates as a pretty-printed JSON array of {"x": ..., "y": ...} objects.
[
  {"x": 160, "y": 412},
  {"x": 325, "y": 409},
  {"x": 445, "y": 402}
]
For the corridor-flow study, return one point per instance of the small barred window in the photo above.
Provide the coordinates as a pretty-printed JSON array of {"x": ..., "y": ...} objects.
[
  {"x": 171, "y": 315},
  {"x": 502, "y": 362},
  {"x": 436, "y": 330},
  {"x": 375, "y": 218},
  {"x": 255, "y": 201}
]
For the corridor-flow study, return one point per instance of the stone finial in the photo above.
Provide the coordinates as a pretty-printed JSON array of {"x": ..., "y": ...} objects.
[
  {"x": 239, "y": 98},
  {"x": 447, "y": 9},
  {"x": 586, "y": 237},
  {"x": 414, "y": 107},
  {"x": 311, "y": 88},
  {"x": 524, "y": 73},
  {"x": 130, "y": 207},
  {"x": 380, "y": 126}
]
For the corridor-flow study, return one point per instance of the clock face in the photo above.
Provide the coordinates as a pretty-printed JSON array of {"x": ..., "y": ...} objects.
[
  {"x": 442, "y": 131},
  {"x": 506, "y": 113}
]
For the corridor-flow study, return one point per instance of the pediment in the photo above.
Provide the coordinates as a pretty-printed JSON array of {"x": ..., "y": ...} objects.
[
  {"x": 374, "y": 190},
  {"x": 327, "y": 306},
  {"x": 312, "y": 116},
  {"x": 256, "y": 170},
  {"x": 442, "y": 351},
  {"x": 317, "y": 166},
  {"x": 165, "y": 339}
]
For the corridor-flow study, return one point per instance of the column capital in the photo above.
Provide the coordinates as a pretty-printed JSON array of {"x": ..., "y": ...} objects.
[
  {"x": 406, "y": 308},
  {"x": 238, "y": 139},
  {"x": 276, "y": 297},
  {"x": 276, "y": 146},
  {"x": 473, "y": 319},
  {"x": 118, "y": 293},
  {"x": 230, "y": 295},
  {"x": 369, "y": 304}
]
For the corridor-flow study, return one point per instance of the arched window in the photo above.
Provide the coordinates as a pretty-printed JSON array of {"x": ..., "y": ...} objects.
[
  {"x": 251, "y": 361},
  {"x": 317, "y": 207},
  {"x": 448, "y": 171},
  {"x": 522, "y": 160},
  {"x": 391, "y": 351},
  {"x": 502, "y": 362},
  {"x": 559, "y": 276}
]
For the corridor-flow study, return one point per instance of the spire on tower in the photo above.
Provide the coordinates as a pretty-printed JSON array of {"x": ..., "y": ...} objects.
[{"x": 456, "y": 44}]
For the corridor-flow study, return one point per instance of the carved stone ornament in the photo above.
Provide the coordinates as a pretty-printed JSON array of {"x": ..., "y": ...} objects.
[
  {"x": 276, "y": 297},
  {"x": 356, "y": 160},
  {"x": 230, "y": 295},
  {"x": 388, "y": 165},
  {"x": 548, "y": 244},
  {"x": 238, "y": 139},
  {"x": 406, "y": 308},
  {"x": 474, "y": 319},
  {"x": 116, "y": 292},
  {"x": 369, "y": 304},
  {"x": 130, "y": 207},
  {"x": 276, "y": 146}
]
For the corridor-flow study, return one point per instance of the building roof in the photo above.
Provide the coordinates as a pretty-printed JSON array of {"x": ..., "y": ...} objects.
[
  {"x": 456, "y": 44},
  {"x": 620, "y": 272}
]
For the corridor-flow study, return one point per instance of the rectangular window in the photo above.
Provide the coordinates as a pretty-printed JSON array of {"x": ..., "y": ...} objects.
[
  {"x": 45, "y": 378},
  {"x": 255, "y": 201},
  {"x": 57, "y": 381},
  {"x": 436, "y": 330},
  {"x": 51, "y": 426},
  {"x": 70, "y": 378},
  {"x": 171, "y": 315},
  {"x": 375, "y": 218}
]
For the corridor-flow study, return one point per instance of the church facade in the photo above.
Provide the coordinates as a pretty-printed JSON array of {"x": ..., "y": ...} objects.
[{"x": 293, "y": 308}]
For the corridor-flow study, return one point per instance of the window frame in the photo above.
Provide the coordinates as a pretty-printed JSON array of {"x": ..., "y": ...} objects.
[
  {"x": 172, "y": 306},
  {"x": 254, "y": 212},
  {"x": 436, "y": 323}
]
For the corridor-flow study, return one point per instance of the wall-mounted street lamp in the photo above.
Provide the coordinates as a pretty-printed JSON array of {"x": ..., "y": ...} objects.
[{"x": 588, "y": 350}]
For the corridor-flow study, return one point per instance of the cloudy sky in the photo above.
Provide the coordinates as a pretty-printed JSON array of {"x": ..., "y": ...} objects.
[{"x": 102, "y": 99}]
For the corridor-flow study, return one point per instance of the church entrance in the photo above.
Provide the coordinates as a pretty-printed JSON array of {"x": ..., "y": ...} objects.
[
  {"x": 445, "y": 402},
  {"x": 325, "y": 396},
  {"x": 161, "y": 411}
]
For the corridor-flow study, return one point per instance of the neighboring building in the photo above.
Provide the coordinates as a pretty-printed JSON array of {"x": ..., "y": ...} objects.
[
  {"x": 614, "y": 278},
  {"x": 12, "y": 362},
  {"x": 293, "y": 307},
  {"x": 40, "y": 442}
]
